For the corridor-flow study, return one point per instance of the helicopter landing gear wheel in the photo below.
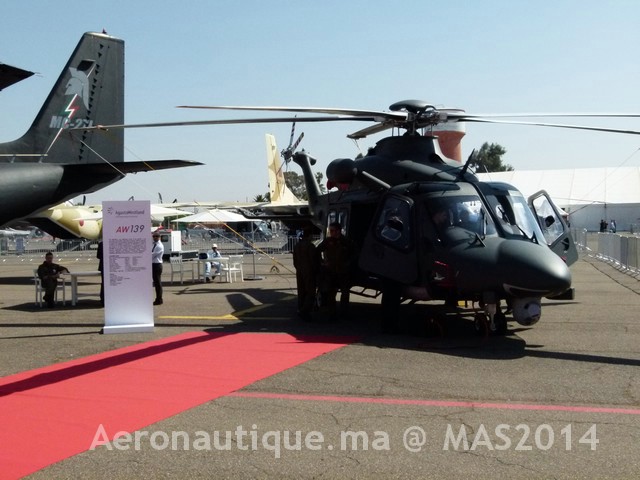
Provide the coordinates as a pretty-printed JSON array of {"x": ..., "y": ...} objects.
[
  {"x": 500, "y": 323},
  {"x": 481, "y": 324},
  {"x": 434, "y": 327},
  {"x": 390, "y": 307}
]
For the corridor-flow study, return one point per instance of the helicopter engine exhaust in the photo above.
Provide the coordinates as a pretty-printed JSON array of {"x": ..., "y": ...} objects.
[
  {"x": 345, "y": 171},
  {"x": 342, "y": 170},
  {"x": 527, "y": 311}
]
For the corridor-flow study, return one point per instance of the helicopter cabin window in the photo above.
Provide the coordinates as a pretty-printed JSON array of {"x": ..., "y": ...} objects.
[
  {"x": 394, "y": 223},
  {"x": 339, "y": 216}
]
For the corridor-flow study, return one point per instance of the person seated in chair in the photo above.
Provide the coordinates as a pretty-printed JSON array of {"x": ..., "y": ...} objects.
[
  {"x": 211, "y": 254},
  {"x": 48, "y": 273}
]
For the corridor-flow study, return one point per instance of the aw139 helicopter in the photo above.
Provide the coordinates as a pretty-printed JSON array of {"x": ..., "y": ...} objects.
[{"x": 425, "y": 227}]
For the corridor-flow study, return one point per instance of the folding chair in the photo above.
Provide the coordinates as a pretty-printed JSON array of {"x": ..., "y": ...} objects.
[
  {"x": 178, "y": 267},
  {"x": 232, "y": 267},
  {"x": 40, "y": 292}
]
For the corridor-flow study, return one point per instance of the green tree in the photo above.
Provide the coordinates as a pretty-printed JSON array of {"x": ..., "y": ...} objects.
[
  {"x": 320, "y": 180},
  {"x": 261, "y": 198},
  {"x": 489, "y": 159},
  {"x": 295, "y": 182}
]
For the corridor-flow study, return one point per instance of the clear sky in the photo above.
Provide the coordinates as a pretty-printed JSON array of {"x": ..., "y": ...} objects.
[{"x": 483, "y": 56}]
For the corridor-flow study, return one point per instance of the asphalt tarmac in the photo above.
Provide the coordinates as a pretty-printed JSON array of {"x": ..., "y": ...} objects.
[{"x": 558, "y": 400}]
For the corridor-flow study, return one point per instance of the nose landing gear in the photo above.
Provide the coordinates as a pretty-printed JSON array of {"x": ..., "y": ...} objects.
[{"x": 492, "y": 320}]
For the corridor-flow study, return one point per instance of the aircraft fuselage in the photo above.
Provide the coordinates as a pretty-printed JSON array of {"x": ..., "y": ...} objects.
[{"x": 30, "y": 187}]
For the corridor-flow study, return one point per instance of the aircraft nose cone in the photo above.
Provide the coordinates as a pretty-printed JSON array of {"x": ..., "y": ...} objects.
[{"x": 533, "y": 270}]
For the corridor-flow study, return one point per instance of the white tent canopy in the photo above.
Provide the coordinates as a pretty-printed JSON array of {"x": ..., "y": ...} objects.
[
  {"x": 213, "y": 216},
  {"x": 159, "y": 212},
  {"x": 587, "y": 194},
  {"x": 576, "y": 186}
]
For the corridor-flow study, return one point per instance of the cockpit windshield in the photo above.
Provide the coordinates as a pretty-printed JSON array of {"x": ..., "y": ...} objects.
[
  {"x": 457, "y": 217},
  {"x": 513, "y": 214}
]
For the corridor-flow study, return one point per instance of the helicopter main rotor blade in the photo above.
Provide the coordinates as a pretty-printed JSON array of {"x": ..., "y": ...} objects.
[
  {"x": 449, "y": 113},
  {"x": 229, "y": 122},
  {"x": 555, "y": 125},
  {"x": 372, "y": 130},
  {"x": 377, "y": 115},
  {"x": 465, "y": 116}
]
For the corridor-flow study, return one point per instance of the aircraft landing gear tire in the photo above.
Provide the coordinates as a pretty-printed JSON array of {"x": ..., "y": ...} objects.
[
  {"x": 434, "y": 327},
  {"x": 390, "y": 307},
  {"x": 481, "y": 324}
]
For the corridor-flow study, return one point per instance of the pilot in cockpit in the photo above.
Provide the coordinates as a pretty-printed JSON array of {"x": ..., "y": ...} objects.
[{"x": 441, "y": 217}]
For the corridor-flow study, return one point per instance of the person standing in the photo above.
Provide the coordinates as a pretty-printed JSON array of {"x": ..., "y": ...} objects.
[
  {"x": 156, "y": 267},
  {"x": 336, "y": 254},
  {"x": 49, "y": 272},
  {"x": 99, "y": 256},
  {"x": 603, "y": 225},
  {"x": 305, "y": 261}
]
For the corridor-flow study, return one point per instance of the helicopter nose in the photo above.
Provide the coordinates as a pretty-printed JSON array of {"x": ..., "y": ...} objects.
[{"x": 533, "y": 270}]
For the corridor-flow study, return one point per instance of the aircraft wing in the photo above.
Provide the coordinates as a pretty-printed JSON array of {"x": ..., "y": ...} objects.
[
  {"x": 84, "y": 221},
  {"x": 139, "y": 166},
  {"x": 283, "y": 204},
  {"x": 10, "y": 75},
  {"x": 193, "y": 204},
  {"x": 12, "y": 232},
  {"x": 69, "y": 221},
  {"x": 278, "y": 209}
]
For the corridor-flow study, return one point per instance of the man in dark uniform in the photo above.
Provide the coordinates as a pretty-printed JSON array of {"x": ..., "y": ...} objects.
[
  {"x": 49, "y": 273},
  {"x": 100, "y": 257},
  {"x": 336, "y": 259},
  {"x": 306, "y": 263}
]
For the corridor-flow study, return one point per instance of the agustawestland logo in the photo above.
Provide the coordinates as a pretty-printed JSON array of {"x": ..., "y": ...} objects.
[
  {"x": 78, "y": 89},
  {"x": 130, "y": 212},
  {"x": 126, "y": 211}
]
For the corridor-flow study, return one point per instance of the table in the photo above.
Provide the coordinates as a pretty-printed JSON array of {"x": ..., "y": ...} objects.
[
  {"x": 202, "y": 261},
  {"x": 74, "y": 284}
]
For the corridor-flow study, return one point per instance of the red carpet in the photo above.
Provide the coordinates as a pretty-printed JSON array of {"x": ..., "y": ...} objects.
[{"x": 52, "y": 413}]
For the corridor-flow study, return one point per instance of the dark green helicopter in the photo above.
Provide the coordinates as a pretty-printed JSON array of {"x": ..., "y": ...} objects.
[{"x": 425, "y": 227}]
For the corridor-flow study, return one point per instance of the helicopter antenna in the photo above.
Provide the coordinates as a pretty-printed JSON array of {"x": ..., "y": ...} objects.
[
  {"x": 357, "y": 144},
  {"x": 472, "y": 158}
]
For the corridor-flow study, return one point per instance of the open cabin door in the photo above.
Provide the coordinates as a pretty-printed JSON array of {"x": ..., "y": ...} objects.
[
  {"x": 388, "y": 249},
  {"x": 553, "y": 226}
]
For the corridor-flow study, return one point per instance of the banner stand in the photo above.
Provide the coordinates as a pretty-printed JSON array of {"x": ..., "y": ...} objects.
[
  {"x": 142, "y": 328},
  {"x": 127, "y": 244}
]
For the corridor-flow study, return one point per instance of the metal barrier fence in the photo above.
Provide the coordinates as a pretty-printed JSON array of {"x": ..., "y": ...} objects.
[
  {"x": 233, "y": 245},
  {"x": 622, "y": 251},
  {"x": 37, "y": 247}
]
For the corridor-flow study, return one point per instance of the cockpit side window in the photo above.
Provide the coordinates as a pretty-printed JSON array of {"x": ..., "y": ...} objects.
[
  {"x": 393, "y": 225},
  {"x": 550, "y": 223}
]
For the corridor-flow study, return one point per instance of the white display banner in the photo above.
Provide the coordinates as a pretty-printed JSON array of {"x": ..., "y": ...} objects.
[{"x": 127, "y": 243}]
